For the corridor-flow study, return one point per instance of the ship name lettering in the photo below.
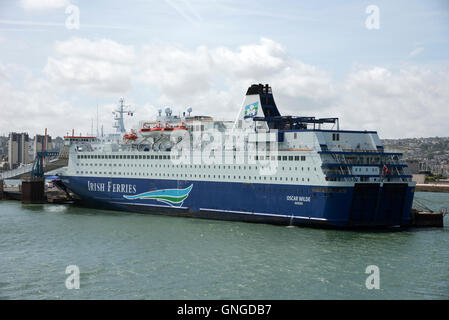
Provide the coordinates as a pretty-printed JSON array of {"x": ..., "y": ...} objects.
[
  {"x": 116, "y": 187},
  {"x": 298, "y": 198},
  {"x": 123, "y": 188}
]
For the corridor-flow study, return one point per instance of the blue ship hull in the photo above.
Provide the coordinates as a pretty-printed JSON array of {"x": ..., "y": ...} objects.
[{"x": 364, "y": 205}]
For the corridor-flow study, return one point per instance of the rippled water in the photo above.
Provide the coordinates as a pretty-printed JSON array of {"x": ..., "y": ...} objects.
[{"x": 133, "y": 256}]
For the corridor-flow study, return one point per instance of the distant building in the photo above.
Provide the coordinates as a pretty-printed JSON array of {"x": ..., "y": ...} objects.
[
  {"x": 419, "y": 178},
  {"x": 4, "y": 165},
  {"x": 39, "y": 144},
  {"x": 413, "y": 166},
  {"x": 18, "y": 145}
]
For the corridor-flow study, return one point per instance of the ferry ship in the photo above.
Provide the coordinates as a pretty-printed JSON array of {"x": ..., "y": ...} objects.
[{"x": 263, "y": 167}]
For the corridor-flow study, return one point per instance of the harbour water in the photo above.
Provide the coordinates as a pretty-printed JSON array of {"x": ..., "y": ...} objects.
[{"x": 123, "y": 255}]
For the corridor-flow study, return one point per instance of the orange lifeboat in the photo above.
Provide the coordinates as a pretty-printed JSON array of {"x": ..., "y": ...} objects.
[
  {"x": 147, "y": 131},
  {"x": 181, "y": 127},
  {"x": 130, "y": 136},
  {"x": 167, "y": 130}
]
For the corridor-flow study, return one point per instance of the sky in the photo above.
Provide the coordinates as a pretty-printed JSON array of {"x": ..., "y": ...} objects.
[{"x": 377, "y": 65}]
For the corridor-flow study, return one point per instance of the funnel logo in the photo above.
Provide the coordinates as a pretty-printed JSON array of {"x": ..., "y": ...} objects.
[{"x": 251, "y": 110}]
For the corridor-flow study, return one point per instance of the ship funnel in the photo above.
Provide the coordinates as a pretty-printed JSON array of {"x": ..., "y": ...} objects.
[{"x": 258, "y": 102}]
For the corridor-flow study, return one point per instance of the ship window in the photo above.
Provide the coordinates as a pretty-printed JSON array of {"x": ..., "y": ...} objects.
[
  {"x": 296, "y": 157},
  {"x": 303, "y": 158},
  {"x": 290, "y": 158},
  {"x": 284, "y": 158}
]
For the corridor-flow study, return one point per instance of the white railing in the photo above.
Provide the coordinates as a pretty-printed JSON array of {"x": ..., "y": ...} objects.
[{"x": 16, "y": 172}]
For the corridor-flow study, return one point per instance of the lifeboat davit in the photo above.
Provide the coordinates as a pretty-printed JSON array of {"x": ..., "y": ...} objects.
[{"x": 182, "y": 127}]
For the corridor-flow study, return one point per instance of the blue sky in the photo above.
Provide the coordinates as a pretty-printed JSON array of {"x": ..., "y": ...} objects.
[{"x": 318, "y": 55}]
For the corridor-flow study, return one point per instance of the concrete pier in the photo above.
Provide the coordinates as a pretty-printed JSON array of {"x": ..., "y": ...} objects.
[
  {"x": 427, "y": 219},
  {"x": 33, "y": 190},
  {"x": 432, "y": 188}
]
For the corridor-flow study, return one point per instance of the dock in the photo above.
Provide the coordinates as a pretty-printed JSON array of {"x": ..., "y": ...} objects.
[
  {"x": 34, "y": 192},
  {"x": 444, "y": 188},
  {"x": 427, "y": 219}
]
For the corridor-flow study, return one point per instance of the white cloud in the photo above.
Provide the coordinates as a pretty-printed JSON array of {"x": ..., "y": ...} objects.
[
  {"x": 416, "y": 52},
  {"x": 33, "y": 105},
  {"x": 43, "y": 4},
  {"x": 92, "y": 66},
  {"x": 101, "y": 50},
  {"x": 216, "y": 78},
  {"x": 408, "y": 102},
  {"x": 411, "y": 102}
]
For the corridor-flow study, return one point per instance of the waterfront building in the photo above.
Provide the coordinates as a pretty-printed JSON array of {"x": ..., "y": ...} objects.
[
  {"x": 18, "y": 145},
  {"x": 39, "y": 145}
]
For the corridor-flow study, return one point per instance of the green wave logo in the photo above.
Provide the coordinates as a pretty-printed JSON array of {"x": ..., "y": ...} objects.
[{"x": 172, "y": 197}]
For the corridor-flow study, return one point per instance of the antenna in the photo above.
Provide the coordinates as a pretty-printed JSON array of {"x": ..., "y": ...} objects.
[
  {"x": 119, "y": 123},
  {"x": 97, "y": 118}
]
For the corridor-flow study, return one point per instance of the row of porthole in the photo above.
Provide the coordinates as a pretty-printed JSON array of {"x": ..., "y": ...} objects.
[
  {"x": 181, "y": 166},
  {"x": 168, "y": 157},
  {"x": 191, "y": 176}
]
